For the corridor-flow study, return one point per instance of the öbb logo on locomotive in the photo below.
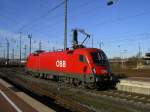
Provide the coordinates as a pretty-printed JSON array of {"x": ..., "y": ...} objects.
[{"x": 61, "y": 63}]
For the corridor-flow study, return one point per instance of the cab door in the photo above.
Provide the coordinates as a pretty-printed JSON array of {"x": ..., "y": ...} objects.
[{"x": 83, "y": 65}]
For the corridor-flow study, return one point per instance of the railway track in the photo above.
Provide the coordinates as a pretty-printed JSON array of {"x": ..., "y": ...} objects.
[
  {"x": 124, "y": 96},
  {"x": 38, "y": 91},
  {"x": 91, "y": 97}
]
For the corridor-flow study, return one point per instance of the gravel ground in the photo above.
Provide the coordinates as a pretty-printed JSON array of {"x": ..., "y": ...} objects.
[{"x": 99, "y": 103}]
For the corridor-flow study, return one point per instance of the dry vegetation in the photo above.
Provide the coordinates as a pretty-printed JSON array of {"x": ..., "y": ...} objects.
[{"x": 131, "y": 69}]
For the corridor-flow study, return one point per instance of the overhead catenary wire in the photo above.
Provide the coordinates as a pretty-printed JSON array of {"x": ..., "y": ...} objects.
[
  {"x": 58, "y": 18},
  {"x": 127, "y": 39},
  {"x": 84, "y": 4},
  {"x": 42, "y": 16},
  {"x": 122, "y": 18},
  {"x": 111, "y": 21},
  {"x": 4, "y": 17},
  {"x": 106, "y": 21}
]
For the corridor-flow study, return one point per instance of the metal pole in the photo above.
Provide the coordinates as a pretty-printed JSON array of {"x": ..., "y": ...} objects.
[
  {"x": 30, "y": 36},
  {"x": 65, "y": 28},
  {"x": 13, "y": 54},
  {"x": 7, "y": 51},
  {"x": 25, "y": 51},
  {"x": 139, "y": 55},
  {"x": 20, "y": 47},
  {"x": 40, "y": 45},
  {"x": 100, "y": 44},
  {"x": 4, "y": 53},
  {"x": 122, "y": 65},
  {"x": 92, "y": 41}
]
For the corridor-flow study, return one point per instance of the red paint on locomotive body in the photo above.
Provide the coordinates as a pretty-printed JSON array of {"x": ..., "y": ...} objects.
[{"x": 76, "y": 62}]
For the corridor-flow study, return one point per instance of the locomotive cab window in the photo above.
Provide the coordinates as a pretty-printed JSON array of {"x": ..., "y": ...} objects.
[
  {"x": 99, "y": 58},
  {"x": 82, "y": 58}
]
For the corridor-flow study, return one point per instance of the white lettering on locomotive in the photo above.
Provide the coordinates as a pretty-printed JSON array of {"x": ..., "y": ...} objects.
[
  {"x": 57, "y": 63},
  {"x": 61, "y": 63},
  {"x": 64, "y": 64}
]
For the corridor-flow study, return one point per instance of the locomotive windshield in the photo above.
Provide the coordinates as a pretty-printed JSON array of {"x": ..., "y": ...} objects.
[{"x": 99, "y": 58}]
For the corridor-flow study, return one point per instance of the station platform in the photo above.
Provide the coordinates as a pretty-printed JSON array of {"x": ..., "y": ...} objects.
[
  {"x": 13, "y": 100},
  {"x": 139, "y": 85}
]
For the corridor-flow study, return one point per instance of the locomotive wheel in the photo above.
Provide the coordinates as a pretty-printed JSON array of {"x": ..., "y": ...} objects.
[
  {"x": 76, "y": 82},
  {"x": 90, "y": 85}
]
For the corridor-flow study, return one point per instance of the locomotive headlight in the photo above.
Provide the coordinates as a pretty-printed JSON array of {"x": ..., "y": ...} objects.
[{"x": 94, "y": 70}]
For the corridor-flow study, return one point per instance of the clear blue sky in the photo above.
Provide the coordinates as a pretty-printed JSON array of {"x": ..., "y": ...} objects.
[{"x": 123, "y": 26}]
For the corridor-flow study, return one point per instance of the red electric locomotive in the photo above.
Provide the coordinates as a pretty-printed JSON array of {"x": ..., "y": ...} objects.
[{"x": 79, "y": 66}]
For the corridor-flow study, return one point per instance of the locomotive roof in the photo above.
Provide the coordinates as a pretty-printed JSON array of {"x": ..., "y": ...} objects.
[
  {"x": 79, "y": 50},
  {"x": 87, "y": 49}
]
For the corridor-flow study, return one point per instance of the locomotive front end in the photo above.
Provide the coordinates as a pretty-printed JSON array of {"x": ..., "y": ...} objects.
[{"x": 100, "y": 69}]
